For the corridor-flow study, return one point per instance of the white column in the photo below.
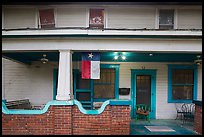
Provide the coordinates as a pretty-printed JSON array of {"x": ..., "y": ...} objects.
[
  {"x": 3, "y": 89},
  {"x": 64, "y": 76}
]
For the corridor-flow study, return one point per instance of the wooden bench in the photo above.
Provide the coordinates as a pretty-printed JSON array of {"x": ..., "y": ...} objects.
[{"x": 19, "y": 104}]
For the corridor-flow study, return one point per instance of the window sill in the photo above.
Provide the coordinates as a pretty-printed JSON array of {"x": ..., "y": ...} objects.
[{"x": 180, "y": 101}]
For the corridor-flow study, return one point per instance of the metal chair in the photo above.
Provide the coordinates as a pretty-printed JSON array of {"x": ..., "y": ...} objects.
[
  {"x": 189, "y": 110},
  {"x": 179, "y": 110}
]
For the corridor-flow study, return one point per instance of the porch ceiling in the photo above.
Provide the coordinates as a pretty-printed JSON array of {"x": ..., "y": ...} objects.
[{"x": 28, "y": 57}]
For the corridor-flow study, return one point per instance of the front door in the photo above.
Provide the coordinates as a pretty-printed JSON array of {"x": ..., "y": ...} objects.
[{"x": 143, "y": 90}]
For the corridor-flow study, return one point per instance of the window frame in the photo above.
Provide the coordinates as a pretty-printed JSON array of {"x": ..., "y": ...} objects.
[
  {"x": 44, "y": 26},
  {"x": 116, "y": 67},
  {"x": 96, "y": 26},
  {"x": 195, "y": 71},
  {"x": 174, "y": 18}
]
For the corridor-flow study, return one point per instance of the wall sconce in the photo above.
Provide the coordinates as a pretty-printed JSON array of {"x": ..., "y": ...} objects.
[
  {"x": 198, "y": 61},
  {"x": 123, "y": 57},
  {"x": 44, "y": 60}
]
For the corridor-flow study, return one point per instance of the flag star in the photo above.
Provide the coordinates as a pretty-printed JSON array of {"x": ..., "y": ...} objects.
[{"x": 90, "y": 55}]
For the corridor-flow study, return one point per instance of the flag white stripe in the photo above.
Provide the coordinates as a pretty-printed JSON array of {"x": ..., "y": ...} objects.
[{"x": 95, "y": 69}]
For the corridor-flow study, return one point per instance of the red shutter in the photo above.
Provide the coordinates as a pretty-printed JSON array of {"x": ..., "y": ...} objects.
[
  {"x": 47, "y": 18},
  {"x": 96, "y": 19}
]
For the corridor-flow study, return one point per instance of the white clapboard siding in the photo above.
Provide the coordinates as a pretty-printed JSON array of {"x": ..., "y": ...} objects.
[
  {"x": 71, "y": 17},
  {"x": 34, "y": 82},
  {"x": 41, "y": 78},
  {"x": 189, "y": 19},
  {"x": 16, "y": 80},
  {"x": 200, "y": 82},
  {"x": 19, "y": 18},
  {"x": 131, "y": 18}
]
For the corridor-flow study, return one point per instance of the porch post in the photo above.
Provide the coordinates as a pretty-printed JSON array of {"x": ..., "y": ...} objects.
[
  {"x": 64, "y": 76},
  {"x": 3, "y": 91}
]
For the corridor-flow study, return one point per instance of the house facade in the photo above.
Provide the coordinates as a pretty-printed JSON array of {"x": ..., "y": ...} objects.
[{"x": 150, "y": 54}]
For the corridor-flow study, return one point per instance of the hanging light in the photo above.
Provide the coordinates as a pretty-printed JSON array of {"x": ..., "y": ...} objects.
[
  {"x": 198, "y": 61},
  {"x": 44, "y": 60}
]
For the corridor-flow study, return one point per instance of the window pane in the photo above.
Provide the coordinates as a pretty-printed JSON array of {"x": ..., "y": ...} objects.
[
  {"x": 47, "y": 18},
  {"x": 96, "y": 19},
  {"x": 166, "y": 19},
  {"x": 182, "y": 92},
  {"x": 82, "y": 83},
  {"x": 83, "y": 96},
  {"x": 104, "y": 91},
  {"x": 105, "y": 86},
  {"x": 182, "y": 76},
  {"x": 166, "y": 26}
]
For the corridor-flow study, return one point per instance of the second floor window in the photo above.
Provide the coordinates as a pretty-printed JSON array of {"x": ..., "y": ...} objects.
[
  {"x": 47, "y": 18},
  {"x": 166, "y": 19},
  {"x": 96, "y": 18}
]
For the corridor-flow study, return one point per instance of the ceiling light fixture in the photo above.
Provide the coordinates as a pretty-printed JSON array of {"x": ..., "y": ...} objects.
[
  {"x": 198, "y": 61},
  {"x": 116, "y": 57},
  {"x": 44, "y": 60},
  {"x": 123, "y": 57},
  {"x": 150, "y": 54}
]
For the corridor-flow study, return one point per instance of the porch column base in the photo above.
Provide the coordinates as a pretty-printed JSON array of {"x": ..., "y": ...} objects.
[{"x": 63, "y": 97}]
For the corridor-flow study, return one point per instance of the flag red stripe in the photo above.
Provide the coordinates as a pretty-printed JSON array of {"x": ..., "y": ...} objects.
[{"x": 86, "y": 69}]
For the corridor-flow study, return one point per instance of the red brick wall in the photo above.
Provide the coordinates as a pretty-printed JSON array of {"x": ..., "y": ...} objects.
[
  {"x": 69, "y": 120},
  {"x": 198, "y": 119},
  {"x": 28, "y": 124},
  {"x": 120, "y": 120}
]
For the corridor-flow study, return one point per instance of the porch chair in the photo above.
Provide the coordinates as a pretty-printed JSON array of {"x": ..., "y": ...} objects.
[
  {"x": 179, "y": 110},
  {"x": 189, "y": 110},
  {"x": 142, "y": 110}
]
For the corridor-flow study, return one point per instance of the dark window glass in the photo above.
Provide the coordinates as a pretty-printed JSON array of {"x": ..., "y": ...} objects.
[
  {"x": 82, "y": 83},
  {"x": 143, "y": 94},
  {"x": 83, "y": 96},
  {"x": 182, "y": 84},
  {"x": 182, "y": 76},
  {"x": 166, "y": 19},
  {"x": 105, "y": 86},
  {"x": 47, "y": 18},
  {"x": 182, "y": 92},
  {"x": 96, "y": 18}
]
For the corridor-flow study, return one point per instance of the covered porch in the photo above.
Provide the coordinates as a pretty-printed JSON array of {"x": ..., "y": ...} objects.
[{"x": 40, "y": 79}]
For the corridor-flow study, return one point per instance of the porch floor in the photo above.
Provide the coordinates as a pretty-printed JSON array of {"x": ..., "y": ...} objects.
[{"x": 137, "y": 128}]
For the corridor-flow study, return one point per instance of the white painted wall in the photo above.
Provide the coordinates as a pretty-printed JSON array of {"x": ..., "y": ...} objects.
[
  {"x": 105, "y": 44},
  {"x": 200, "y": 82},
  {"x": 34, "y": 82},
  {"x": 19, "y": 18},
  {"x": 132, "y": 18},
  {"x": 71, "y": 17},
  {"x": 189, "y": 19}
]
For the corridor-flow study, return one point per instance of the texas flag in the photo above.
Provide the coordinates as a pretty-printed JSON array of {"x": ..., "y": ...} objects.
[{"x": 90, "y": 65}]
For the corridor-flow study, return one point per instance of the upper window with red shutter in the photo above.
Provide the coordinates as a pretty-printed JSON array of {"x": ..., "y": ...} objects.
[
  {"x": 47, "y": 18},
  {"x": 96, "y": 18}
]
